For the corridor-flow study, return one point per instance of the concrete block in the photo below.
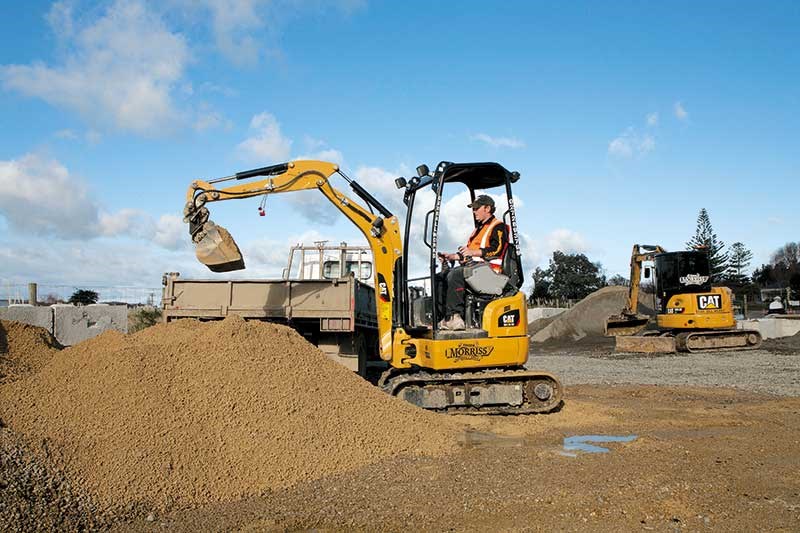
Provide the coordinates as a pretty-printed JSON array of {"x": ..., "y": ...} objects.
[
  {"x": 28, "y": 314},
  {"x": 773, "y": 328},
  {"x": 535, "y": 313},
  {"x": 74, "y": 324}
]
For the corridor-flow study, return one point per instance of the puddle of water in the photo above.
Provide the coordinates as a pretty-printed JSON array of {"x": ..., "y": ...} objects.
[{"x": 583, "y": 443}]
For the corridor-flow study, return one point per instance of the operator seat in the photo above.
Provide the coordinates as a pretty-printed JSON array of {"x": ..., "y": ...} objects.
[{"x": 475, "y": 301}]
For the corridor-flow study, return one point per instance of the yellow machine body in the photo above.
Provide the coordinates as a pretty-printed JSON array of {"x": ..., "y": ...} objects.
[
  {"x": 707, "y": 310},
  {"x": 506, "y": 344}
]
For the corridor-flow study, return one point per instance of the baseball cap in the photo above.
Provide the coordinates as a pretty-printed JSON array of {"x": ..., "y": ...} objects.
[{"x": 483, "y": 199}]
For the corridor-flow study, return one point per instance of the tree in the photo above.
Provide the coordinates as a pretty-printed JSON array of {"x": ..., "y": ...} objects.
[
  {"x": 52, "y": 298},
  {"x": 705, "y": 238},
  {"x": 740, "y": 258},
  {"x": 573, "y": 276},
  {"x": 618, "y": 280},
  {"x": 541, "y": 285},
  {"x": 83, "y": 297},
  {"x": 794, "y": 286},
  {"x": 788, "y": 254}
]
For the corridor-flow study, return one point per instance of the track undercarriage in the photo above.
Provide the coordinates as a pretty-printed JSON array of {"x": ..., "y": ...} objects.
[
  {"x": 492, "y": 391},
  {"x": 690, "y": 341}
]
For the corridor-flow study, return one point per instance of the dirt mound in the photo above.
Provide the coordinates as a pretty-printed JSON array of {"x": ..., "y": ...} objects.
[
  {"x": 24, "y": 349},
  {"x": 588, "y": 317},
  {"x": 540, "y": 323},
  {"x": 189, "y": 413},
  {"x": 783, "y": 345}
]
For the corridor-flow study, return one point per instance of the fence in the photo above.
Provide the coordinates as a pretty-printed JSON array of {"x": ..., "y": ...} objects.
[
  {"x": 551, "y": 302},
  {"x": 19, "y": 293}
]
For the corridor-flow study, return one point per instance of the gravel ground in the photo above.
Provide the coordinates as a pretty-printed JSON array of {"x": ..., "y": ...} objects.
[{"x": 757, "y": 370}]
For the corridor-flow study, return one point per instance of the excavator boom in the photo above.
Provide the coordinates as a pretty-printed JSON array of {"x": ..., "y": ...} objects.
[{"x": 630, "y": 322}]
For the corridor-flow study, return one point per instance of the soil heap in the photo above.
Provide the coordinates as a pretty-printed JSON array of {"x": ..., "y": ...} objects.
[
  {"x": 588, "y": 317},
  {"x": 24, "y": 349},
  {"x": 188, "y": 413}
]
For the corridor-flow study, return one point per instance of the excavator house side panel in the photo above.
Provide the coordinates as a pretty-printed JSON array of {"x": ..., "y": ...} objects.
[
  {"x": 506, "y": 317},
  {"x": 470, "y": 353},
  {"x": 711, "y": 310}
]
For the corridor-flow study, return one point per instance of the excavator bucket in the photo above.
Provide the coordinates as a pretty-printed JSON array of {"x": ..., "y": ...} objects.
[
  {"x": 217, "y": 250},
  {"x": 624, "y": 325}
]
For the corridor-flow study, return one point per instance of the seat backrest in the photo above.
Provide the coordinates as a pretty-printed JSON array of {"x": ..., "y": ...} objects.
[{"x": 511, "y": 266}]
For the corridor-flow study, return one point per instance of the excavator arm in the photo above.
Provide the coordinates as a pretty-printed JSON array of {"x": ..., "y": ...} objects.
[
  {"x": 216, "y": 249},
  {"x": 630, "y": 322}
]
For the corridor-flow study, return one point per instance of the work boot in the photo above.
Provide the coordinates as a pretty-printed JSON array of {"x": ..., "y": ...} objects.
[{"x": 456, "y": 322}]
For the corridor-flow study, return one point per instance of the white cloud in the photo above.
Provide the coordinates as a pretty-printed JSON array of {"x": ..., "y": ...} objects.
[
  {"x": 232, "y": 22},
  {"x": 268, "y": 143},
  {"x": 631, "y": 143},
  {"x": 246, "y": 31},
  {"x": 652, "y": 119},
  {"x": 111, "y": 264},
  {"x": 207, "y": 119},
  {"x": 171, "y": 232},
  {"x": 120, "y": 70},
  {"x": 498, "y": 142},
  {"x": 565, "y": 240},
  {"x": 67, "y": 134},
  {"x": 39, "y": 196},
  {"x": 681, "y": 113},
  {"x": 621, "y": 147}
]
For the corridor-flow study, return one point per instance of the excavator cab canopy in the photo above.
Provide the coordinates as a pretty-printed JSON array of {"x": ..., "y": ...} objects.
[
  {"x": 682, "y": 272},
  {"x": 476, "y": 177}
]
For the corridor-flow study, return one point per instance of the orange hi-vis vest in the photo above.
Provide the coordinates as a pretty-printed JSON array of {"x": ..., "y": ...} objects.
[{"x": 480, "y": 239}]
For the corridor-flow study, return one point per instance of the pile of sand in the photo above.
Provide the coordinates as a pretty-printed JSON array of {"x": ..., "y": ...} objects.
[
  {"x": 588, "y": 317},
  {"x": 24, "y": 349},
  {"x": 189, "y": 413}
]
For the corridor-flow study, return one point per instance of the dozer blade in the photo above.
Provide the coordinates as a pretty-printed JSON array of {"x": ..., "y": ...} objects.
[
  {"x": 623, "y": 325},
  {"x": 217, "y": 250}
]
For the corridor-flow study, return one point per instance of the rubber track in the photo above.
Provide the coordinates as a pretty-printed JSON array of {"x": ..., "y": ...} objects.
[
  {"x": 393, "y": 381},
  {"x": 684, "y": 339}
]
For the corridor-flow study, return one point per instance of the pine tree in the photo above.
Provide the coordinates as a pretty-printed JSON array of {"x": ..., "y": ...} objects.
[
  {"x": 705, "y": 239},
  {"x": 739, "y": 261}
]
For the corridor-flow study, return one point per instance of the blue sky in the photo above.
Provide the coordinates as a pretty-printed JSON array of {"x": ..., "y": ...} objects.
[{"x": 624, "y": 119}]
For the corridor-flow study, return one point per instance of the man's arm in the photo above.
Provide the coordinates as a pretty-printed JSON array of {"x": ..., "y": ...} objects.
[{"x": 497, "y": 242}]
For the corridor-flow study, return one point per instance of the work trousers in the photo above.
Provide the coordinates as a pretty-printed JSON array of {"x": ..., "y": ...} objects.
[{"x": 450, "y": 292}]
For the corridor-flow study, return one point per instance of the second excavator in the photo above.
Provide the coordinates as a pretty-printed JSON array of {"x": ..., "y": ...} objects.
[
  {"x": 691, "y": 315},
  {"x": 478, "y": 370}
]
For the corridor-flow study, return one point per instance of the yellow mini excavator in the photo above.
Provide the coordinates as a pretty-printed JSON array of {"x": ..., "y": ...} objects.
[
  {"x": 474, "y": 371},
  {"x": 692, "y": 315}
]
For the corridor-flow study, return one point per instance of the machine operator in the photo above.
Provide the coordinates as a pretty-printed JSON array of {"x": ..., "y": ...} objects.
[{"x": 487, "y": 243}]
